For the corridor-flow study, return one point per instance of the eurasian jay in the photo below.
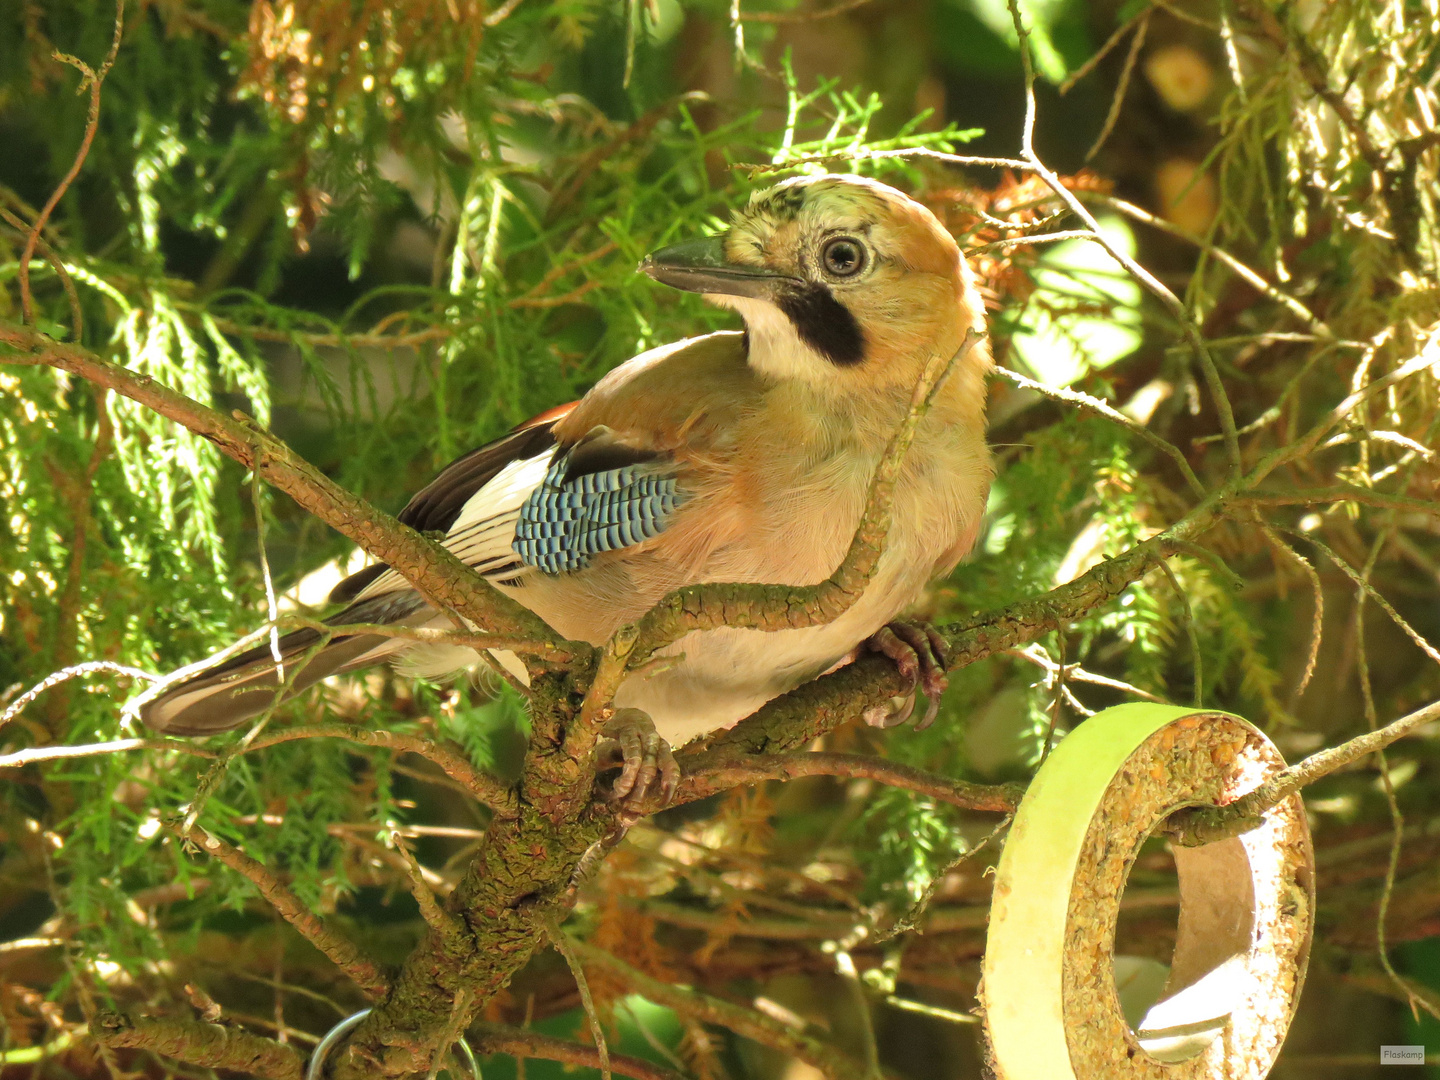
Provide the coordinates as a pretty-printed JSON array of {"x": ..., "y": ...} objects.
[{"x": 732, "y": 457}]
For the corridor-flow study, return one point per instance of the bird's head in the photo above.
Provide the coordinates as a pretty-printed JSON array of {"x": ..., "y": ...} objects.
[{"x": 843, "y": 282}]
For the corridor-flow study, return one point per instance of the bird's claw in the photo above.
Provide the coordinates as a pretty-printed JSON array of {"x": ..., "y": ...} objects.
[
  {"x": 919, "y": 652},
  {"x": 647, "y": 767}
]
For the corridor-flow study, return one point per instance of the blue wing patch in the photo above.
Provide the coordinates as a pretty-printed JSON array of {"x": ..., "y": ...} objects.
[{"x": 566, "y": 522}]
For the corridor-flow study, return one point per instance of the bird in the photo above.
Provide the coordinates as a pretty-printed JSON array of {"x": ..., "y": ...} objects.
[{"x": 736, "y": 456}]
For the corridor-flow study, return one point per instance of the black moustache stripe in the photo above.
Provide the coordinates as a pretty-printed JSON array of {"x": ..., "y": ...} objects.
[{"x": 824, "y": 324}]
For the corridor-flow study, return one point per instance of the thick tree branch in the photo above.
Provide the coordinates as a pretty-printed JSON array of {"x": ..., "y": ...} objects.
[
  {"x": 753, "y": 769},
  {"x": 442, "y": 578},
  {"x": 790, "y": 722},
  {"x": 212, "y": 1046}
]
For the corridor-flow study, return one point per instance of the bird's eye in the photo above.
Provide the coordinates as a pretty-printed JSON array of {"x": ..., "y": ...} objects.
[{"x": 843, "y": 257}]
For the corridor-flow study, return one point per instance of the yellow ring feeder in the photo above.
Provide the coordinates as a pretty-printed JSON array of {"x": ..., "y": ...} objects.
[{"x": 1051, "y": 1007}]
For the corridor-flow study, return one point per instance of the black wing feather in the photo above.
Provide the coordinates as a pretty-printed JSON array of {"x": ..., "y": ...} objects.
[{"x": 436, "y": 506}]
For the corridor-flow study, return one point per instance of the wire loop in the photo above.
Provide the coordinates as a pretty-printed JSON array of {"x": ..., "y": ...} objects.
[{"x": 316, "y": 1069}]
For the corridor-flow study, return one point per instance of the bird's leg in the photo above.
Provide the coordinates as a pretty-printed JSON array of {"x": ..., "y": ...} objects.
[
  {"x": 918, "y": 650},
  {"x": 630, "y": 742}
]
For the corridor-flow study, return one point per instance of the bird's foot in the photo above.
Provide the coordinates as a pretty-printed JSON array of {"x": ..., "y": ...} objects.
[
  {"x": 918, "y": 650},
  {"x": 630, "y": 743}
]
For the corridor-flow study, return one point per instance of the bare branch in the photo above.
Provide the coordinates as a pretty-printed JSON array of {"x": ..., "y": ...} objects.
[
  {"x": 92, "y": 78},
  {"x": 74, "y": 671},
  {"x": 1251, "y": 277},
  {"x": 1340, "y": 493},
  {"x": 1116, "y": 102},
  {"x": 1151, "y": 283},
  {"x": 759, "y": 168},
  {"x": 1094, "y": 404},
  {"x": 342, "y": 952},
  {"x": 1428, "y": 356},
  {"x": 803, "y": 16},
  {"x": 58, "y": 753},
  {"x": 566, "y": 948}
]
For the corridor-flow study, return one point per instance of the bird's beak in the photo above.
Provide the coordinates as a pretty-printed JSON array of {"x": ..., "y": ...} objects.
[{"x": 700, "y": 266}]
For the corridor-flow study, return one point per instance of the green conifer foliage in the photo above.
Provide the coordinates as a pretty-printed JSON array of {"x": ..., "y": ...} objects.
[{"x": 389, "y": 232}]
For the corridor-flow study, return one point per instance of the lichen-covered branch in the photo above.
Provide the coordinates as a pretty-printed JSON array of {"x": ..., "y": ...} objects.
[
  {"x": 341, "y": 951},
  {"x": 792, "y": 607},
  {"x": 756, "y": 768},
  {"x": 431, "y": 569},
  {"x": 211, "y": 1046}
]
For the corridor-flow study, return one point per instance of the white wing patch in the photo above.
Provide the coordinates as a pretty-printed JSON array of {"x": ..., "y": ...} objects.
[{"x": 482, "y": 534}]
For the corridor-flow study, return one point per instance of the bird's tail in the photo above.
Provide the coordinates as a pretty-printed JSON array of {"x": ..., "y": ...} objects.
[{"x": 219, "y": 698}]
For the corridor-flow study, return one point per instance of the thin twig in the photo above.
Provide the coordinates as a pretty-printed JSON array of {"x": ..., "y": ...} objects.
[
  {"x": 1058, "y": 697},
  {"x": 1387, "y": 783},
  {"x": 1038, "y": 656},
  {"x": 1148, "y": 280},
  {"x": 92, "y": 79},
  {"x": 803, "y": 16},
  {"x": 1188, "y": 617},
  {"x": 436, "y": 635},
  {"x": 1317, "y": 591},
  {"x": 77, "y": 317},
  {"x": 501, "y": 13},
  {"x": 1340, "y": 493},
  {"x": 1204, "y": 825},
  {"x": 435, "y": 916},
  {"x": 115, "y": 746},
  {"x": 758, "y": 168},
  {"x": 1089, "y": 65},
  {"x": 1136, "y": 44},
  {"x": 483, "y": 788},
  {"x": 1250, "y": 276},
  {"x": 1362, "y": 582},
  {"x": 270, "y": 605},
  {"x": 1094, "y": 404},
  {"x": 1031, "y": 239},
  {"x": 342, "y": 952},
  {"x": 566, "y": 949},
  {"x": 915, "y": 918},
  {"x": 72, "y": 672},
  {"x": 1428, "y": 356}
]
